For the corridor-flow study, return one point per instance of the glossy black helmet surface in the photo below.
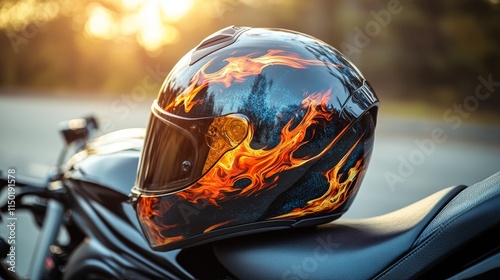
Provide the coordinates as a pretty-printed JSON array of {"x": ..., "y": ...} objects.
[{"x": 254, "y": 129}]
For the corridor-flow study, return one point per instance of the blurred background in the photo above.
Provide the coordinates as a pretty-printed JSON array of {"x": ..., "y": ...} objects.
[
  {"x": 417, "y": 52},
  {"x": 435, "y": 66}
]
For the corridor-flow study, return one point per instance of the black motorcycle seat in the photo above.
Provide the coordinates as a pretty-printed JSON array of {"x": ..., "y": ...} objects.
[{"x": 397, "y": 245}]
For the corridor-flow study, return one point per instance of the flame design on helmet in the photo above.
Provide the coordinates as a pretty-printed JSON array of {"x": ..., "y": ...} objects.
[
  {"x": 262, "y": 166},
  {"x": 236, "y": 70},
  {"x": 147, "y": 210},
  {"x": 209, "y": 229},
  {"x": 338, "y": 190},
  {"x": 259, "y": 168}
]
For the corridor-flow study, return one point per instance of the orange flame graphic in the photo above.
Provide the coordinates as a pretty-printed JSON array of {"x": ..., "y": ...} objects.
[
  {"x": 337, "y": 192},
  {"x": 148, "y": 208},
  {"x": 262, "y": 167},
  {"x": 238, "y": 69},
  {"x": 218, "y": 225}
]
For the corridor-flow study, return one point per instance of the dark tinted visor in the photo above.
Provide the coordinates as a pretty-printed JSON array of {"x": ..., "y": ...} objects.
[{"x": 177, "y": 151}]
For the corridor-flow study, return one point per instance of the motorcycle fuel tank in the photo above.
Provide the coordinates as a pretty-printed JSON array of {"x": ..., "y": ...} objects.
[{"x": 109, "y": 160}]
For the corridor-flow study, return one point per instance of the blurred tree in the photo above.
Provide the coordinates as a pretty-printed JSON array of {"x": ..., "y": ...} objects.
[
  {"x": 447, "y": 45},
  {"x": 431, "y": 51}
]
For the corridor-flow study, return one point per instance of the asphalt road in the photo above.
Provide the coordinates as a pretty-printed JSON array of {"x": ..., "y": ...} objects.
[{"x": 412, "y": 157}]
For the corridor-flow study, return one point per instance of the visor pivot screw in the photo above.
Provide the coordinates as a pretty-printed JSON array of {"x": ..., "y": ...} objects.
[{"x": 186, "y": 166}]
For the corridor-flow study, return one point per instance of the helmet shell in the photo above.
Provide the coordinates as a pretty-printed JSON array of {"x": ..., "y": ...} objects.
[{"x": 305, "y": 121}]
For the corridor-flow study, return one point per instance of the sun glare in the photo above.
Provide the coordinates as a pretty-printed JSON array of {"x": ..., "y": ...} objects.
[
  {"x": 15, "y": 16},
  {"x": 174, "y": 10},
  {"x": 100, "y": 23},
  {"x": 150, "y": 20}
]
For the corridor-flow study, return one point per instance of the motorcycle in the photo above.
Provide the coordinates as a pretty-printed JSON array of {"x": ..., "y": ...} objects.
[{"x": 451, "y": 234}]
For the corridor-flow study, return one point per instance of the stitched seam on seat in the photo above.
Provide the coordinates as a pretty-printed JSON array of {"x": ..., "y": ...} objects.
[
  {"x": 435, "y": 234},
  {"x": 423, "y": 237},
  {"x": 414, "y": 251}
]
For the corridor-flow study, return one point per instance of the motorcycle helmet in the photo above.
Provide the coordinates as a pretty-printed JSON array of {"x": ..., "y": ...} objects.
[{"x": 254, "y": 129}]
